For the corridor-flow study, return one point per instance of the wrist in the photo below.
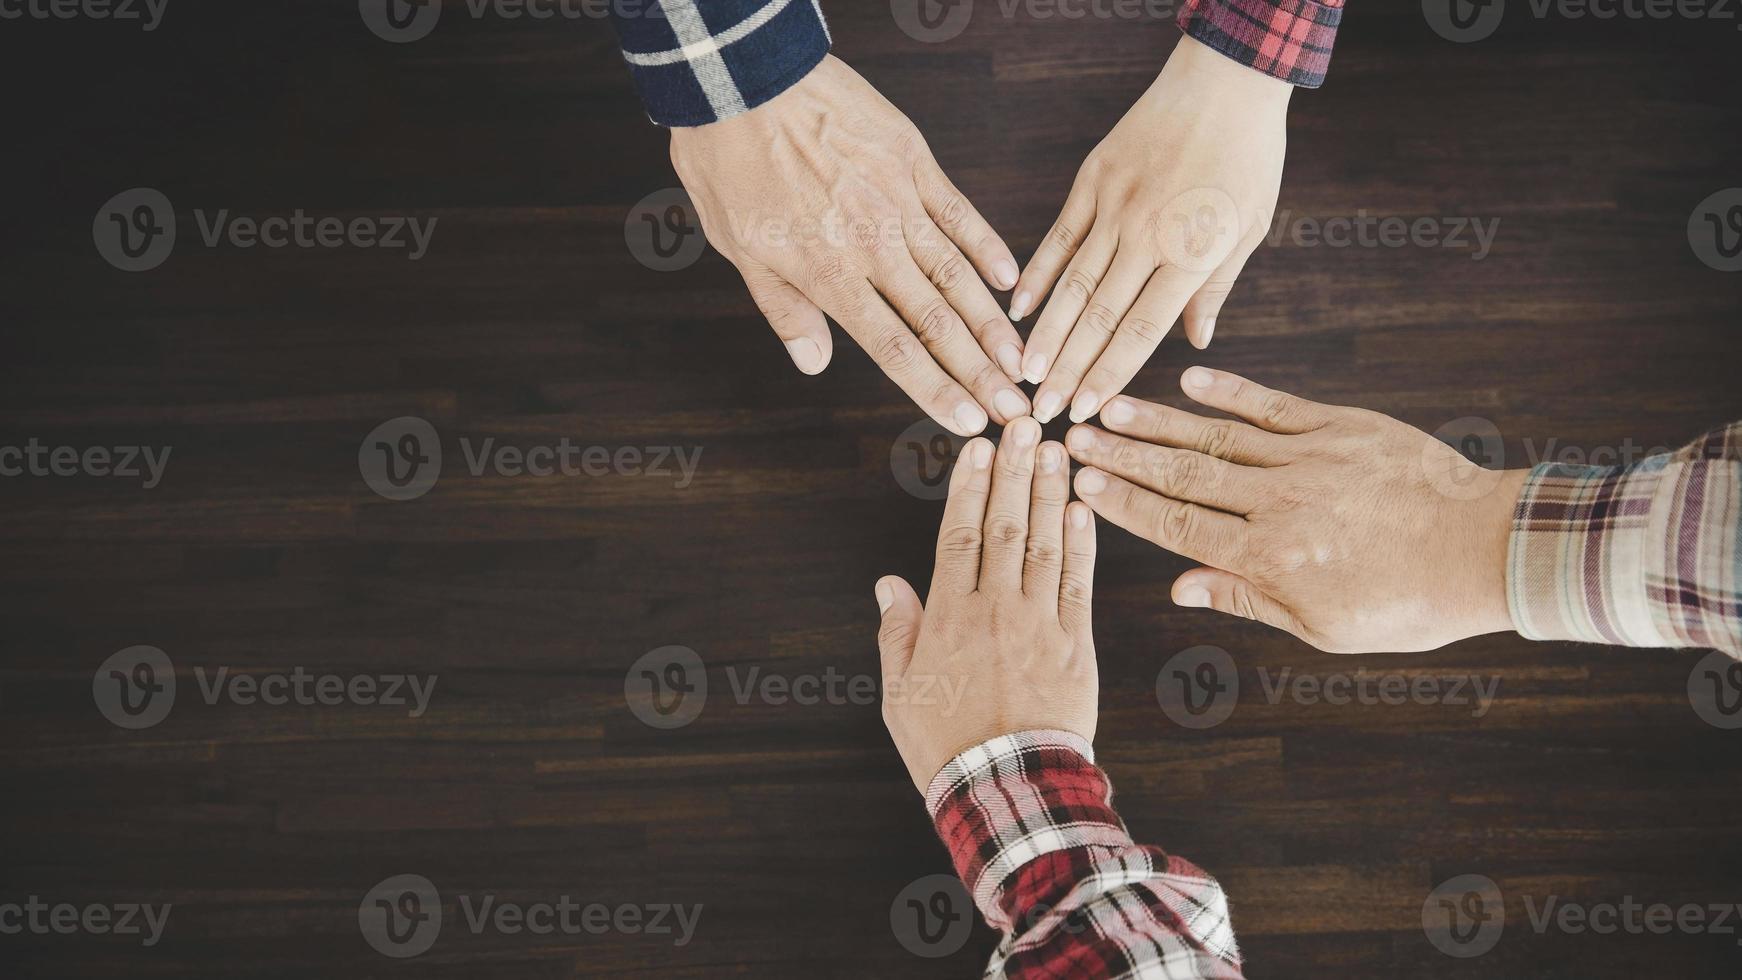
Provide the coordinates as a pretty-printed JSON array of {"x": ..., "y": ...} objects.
[
  {"x": 1491, "y": 521},
  {"x": 1197, "y": 71}
]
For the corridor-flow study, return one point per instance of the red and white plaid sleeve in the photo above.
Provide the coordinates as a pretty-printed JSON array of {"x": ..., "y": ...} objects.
[
  {"x": 1648, "y": 555},
  {"x": 1029, "y": 821},
  {"x": 1289, "y": 39}
]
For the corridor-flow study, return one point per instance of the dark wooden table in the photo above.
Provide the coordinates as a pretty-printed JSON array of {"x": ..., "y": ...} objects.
[{"x": 1591, "y": 323}]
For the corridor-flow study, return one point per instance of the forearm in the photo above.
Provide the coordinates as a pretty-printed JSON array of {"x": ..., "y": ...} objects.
[
  {"x": 1029, "y": 822},
  {"x": 700, "y": 61},
  {"x": 1648, "y": 555}
]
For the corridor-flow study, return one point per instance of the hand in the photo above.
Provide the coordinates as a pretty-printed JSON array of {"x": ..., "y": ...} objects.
[
  {"x": 828, "y": 201},
  {"x": 1351, "y": 530},
  {"x": 1161, "y": 219},
  {"x": 1003, "y": 643}
]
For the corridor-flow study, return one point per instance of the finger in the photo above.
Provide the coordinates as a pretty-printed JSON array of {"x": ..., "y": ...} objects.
[
  {"x": 1164, "y": 425},
  {"x": 943, "y": 333},
  {"x": 1068, "y": 301},
  {"x": 1178, "y": 473},
  {"x": 870, "y": 321},
  {"x": 1206, "y": 303},
  {"x": 1209, "y": 588},
  {"x": 949, "y": 271},
  {"x": 1061, "y": 243},
  {"x": 1046, "y": 521},
  {"x": 1077, "y": 580},
  {"x": 959, "y": 219},
  {"x": 958, "y": 561},
  {"x": 1275, "y": 411},
  {"x": 1196, "y": 532},
  {"x": 1006, "y": 528},
  {"x": 797, "y": 321},
  {"x": 1140, "y": 333},
  {"x": 900, "y": 608},
  {"x": 1089, "y": 335}
]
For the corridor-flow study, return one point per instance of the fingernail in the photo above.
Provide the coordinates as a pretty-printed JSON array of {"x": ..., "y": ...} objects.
[
  {"x": 806, "y": 355},
  {"x": 885, "y": 597},
  {"x": 1195, "y": 596},
  {"x": 1051, "y": 458},
  {"x": 1084, "y": 407},
  {"x": 1010, "y": 403},
  {"x": 1198, "y": 378},
  {"x": 1048, "y": 406},
  {"x": 1034, "y": 368},
  {"x": 1082, "y": 439},
  {"x": 1004, "y": 273},
  {"x": 982, "y": 454},
  {"x": 1010, "y": 362},
  {"x": 970, "y": 419},
  {"x": 1079, "y": 517},
  {"x": 1024, "y": 432},
  {"x": 1209, "y": 331},
  {"x": 1020, "y": 304},
  {"x": 1091, "y": 482},
  {"x": 1118, "y": 412}
]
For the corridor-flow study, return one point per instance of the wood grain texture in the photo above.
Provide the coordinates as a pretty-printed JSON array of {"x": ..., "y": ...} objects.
[{"x": 1591, "y": 323}]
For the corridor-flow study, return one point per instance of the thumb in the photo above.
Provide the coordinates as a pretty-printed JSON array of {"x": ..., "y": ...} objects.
[
  {"x": 1229, "y": 593},
  {"x": 796, "y": 320},
  {"x": 902, "y": 614}
]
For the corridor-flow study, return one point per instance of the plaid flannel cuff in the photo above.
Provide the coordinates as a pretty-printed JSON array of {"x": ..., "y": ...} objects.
[
  {"x": 1287, "y": 39},
  {"x": 1029, "y": 823},
  {"x": 700, "y": 61},
  {"x": 1648, "y": 555}
]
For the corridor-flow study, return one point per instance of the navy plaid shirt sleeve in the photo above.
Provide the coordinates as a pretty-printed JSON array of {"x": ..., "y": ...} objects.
[{"x": 701, "y": 61}]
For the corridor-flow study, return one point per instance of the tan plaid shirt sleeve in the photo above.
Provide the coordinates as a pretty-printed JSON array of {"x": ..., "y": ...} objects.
[{"x": 1648, "y": 555}]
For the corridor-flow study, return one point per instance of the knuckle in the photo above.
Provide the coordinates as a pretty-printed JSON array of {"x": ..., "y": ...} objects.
[
  {"x": 829, "y": 270},
  {"x": 935, "y": 325},
  {"x": 910, "y": 144},
  {"x": 1182, "y": 473},
  {"x": 1179, "y": 522},
  {"x": 1129, "y": 458},
  {"x": 1042, "y": 551},
  {"x": 895, "y": 633},
  {"x": 1277, "y": 407},
  {"x": 1081, "y": 285},
  {"x": 1099, "y": 319},
  {"x": 986, "y": 377},
  {"x": 959, "y": 540},
  {"x": 1005, "y": 529},
  {"x": 950, "y": 273},
  {"x": 1215, "y": 438},
  {"x": 952, "y": 214},
  {"x": 1074, "y": 588},
  {"x": 897, "y": 352},
  {"x": 1065, "y": 235},
  {"x": 944, "y": 392},
  {"x": 1243, "y": 604},
  {"x": 1144, "y": 330}
]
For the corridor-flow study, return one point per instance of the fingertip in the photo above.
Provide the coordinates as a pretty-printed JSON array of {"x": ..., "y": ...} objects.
[
  {"x": 1079, "y": 515},
  {"x": 1197, "y": 380},
  {"x": 885, "y": 592},
  {"x": 1004, "y": 272},
  {"x": 807, "y": 355},
  {"x": 1201, "y": 332},
  {"x": 1023, "y": 432},
  {"x": 1090, "y": 481}
]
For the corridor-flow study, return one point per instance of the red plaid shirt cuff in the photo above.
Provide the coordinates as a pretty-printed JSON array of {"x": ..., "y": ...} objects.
[
  {"x": 1289, "y": 39},
  {"x": 1029, "y": 822},
  {"x": 1648, "y": 555}
]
